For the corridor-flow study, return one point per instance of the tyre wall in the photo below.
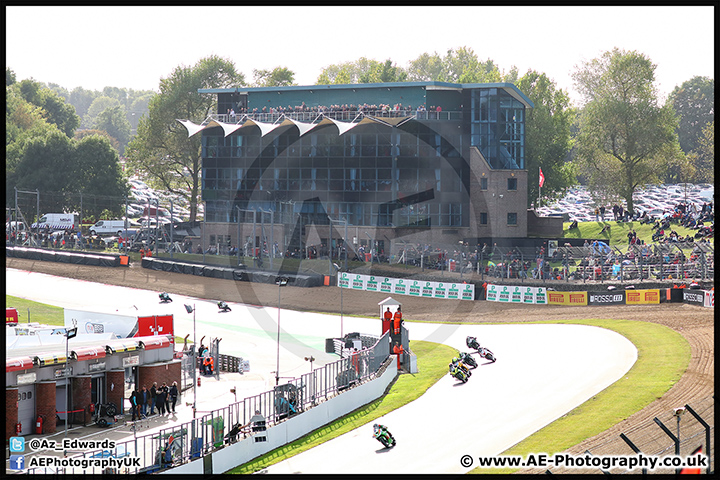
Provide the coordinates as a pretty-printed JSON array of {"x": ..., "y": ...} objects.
[{"x": 73, "y": 257}]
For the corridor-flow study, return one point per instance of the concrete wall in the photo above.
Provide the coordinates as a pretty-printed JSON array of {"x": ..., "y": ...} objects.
[{"x": 289, "y": 430}]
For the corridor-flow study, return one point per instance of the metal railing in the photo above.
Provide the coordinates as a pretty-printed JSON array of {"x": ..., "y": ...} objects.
[
  {"x": 212, "y": 430},
  {"x": 341, "y": 115}
]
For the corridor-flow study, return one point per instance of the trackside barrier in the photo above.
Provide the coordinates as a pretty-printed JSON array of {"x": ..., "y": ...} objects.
[
  {"x": 291, "y": 406},
  {"x": 521, "y": 294}
]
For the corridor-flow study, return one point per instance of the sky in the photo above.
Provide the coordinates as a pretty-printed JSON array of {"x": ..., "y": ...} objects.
[{"x": 135, "y": 47}]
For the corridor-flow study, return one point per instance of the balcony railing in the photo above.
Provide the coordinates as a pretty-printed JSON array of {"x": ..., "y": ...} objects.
[{"x": 342, "y": 115}]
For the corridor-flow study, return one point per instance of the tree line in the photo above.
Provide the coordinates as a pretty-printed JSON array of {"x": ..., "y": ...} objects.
[{"x": 620, "y": 138}]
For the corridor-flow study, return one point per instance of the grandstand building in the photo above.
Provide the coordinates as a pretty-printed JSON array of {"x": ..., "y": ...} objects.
[{"x": 376, "y": 165}]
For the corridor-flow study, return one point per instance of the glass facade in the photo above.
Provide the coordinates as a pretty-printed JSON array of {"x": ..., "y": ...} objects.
[
  {"x": 497, "y": 127},
  {"x": 374, "y": 175},
  {"x": 415, "y": 174}
]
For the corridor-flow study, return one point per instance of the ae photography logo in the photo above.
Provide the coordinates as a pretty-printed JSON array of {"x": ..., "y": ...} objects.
[{"x": 18, "y": 462}]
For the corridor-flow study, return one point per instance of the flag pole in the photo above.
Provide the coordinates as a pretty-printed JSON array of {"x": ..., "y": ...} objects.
[{"x": 539, "y": 184}]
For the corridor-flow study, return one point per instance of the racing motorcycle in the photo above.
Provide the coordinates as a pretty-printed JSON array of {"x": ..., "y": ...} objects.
[
  {"x": 165, "y": 298},
  {"x": 224, "y": 307},
  {"x": 457, "y": 371},
  {"x": 472, "y": 342},
  {"x": 467, "y": 359},
  {"x": 487, "y": 354},
  {"x": 383, "y": 435}
]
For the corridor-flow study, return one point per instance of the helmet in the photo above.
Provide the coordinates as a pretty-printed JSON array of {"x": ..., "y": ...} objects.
[
  {"x": 376, "y": 426},
  {"x": 455, "y": 360}
]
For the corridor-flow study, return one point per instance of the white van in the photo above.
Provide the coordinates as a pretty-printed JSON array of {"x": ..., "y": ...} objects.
[
  {"x": 58, "y": 221},
  {"x": 108, "y": 227}
]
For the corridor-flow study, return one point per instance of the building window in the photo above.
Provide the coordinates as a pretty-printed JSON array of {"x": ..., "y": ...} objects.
[
  {"x": 512, "y": 218},
  {"x": 483, "y": 183},
  {"x": 483, "y": 218},
  {"x": 512, "y": 183}
]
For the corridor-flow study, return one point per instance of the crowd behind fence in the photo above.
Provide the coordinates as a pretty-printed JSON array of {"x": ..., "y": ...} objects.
[{"x": 212, "y": 430}]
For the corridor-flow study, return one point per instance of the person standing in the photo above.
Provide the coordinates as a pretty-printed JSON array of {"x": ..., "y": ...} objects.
[
  {"x": 174, "y": 395},
  {"x": 397, "y": 317},
  {"x": 387, "y": 320},
  {"x": 153, "y": 398},
  {"x": 144, "y": 397},
  {"x": 161, "y": 400},
  {"x": 166, "y": 396},
  {"x": 134, "y": 405},
  {"x": 398, "y": 350}
]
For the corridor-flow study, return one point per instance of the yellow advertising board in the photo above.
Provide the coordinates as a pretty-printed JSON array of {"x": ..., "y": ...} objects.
[
  {"x": 566, "y": 298},
  {"x": 640, "y": 297}
]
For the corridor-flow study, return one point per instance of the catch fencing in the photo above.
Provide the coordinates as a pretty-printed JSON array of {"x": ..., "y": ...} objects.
[
  {"x": 665, "y": 435},
  {"x": 210, "y": 431}
]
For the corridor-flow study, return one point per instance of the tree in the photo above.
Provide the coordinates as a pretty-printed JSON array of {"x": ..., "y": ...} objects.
[
  {"x": 459, "y": 65},
  {"x": 278, "y": 77},
  {"x": 694, "y": 103},
  {"x": 548, "y": 138},
  {"x": 704, "y": 155},
  {"x": 113, "y": 121},
  {"x": 97, "y": 173},
  {"x": 386, "y": 72},
  {"x": 625, "y": 138},
  {"x": 56, "y": 111},
  {"x": 161, "y": 149}
]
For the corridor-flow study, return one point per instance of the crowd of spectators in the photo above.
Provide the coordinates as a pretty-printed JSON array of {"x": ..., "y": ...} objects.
[{"x": 344, "y": 111}]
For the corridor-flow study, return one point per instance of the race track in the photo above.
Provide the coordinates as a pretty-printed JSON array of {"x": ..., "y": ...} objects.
[{"x": 542, "y": 372}]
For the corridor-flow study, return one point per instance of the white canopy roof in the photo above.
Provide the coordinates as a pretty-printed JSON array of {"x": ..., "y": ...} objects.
[{"x": 265, "y": 128}]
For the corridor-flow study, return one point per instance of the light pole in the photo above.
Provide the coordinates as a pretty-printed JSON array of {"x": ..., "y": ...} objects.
[
  {"x": 337, "y": 270},
  {"x": 281, "y": 282},
  {"x": 69, "y": 333},
  {"x": 190, "y": 309}
]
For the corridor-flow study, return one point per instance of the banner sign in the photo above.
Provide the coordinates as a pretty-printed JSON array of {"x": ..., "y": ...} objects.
[
  {"x": 567, "y": 298},
  {"x": 606, "y": 298},
  {"x": 694, "y": 296},
  {"x": 642, "y": 297},
  {"x": 517, "y": 294},
  {"x": 405, "y": 286}
]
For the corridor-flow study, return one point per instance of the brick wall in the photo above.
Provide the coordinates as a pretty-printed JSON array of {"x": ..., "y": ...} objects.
[
  {"x": 81, "y": 399},
  {"x": 46, "y": 405},
  {"x": 115, "y": 381},
  {"x": 11, "y": 411},
  {"x": 166, "y": 372}
]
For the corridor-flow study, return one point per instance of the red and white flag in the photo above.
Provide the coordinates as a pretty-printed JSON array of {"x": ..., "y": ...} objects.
[{"x": 542, "y": 178}]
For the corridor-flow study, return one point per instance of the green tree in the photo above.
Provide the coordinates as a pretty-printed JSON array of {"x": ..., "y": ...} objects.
[
  {"x": 9, "y": 77},
  {"x": 97, "y": 173},
  {"x": 114, "y": 122},
  {"x": 694, "y": 103},
  {"x": 459, "y": 65},
  {"x": 625, "y": 138},
  {"x": 162, "y": 149},
  {"x": 385, "y": 72},
  {"x": 98, "y": 105},
  {"x": 56, "y": 111},
  {"x": 277, "y": 77},
  {"x": 703, "y": 157},
  {"x": 81, "y": 99},
  {"x": 548, "y": 139}
]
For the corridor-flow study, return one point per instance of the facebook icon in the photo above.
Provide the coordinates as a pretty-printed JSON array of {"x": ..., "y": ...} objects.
[{"x": 17, "y": 462}]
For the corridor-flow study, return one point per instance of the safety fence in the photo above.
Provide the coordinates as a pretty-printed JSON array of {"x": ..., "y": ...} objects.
[
  {"x": 680, "y": 431},
  {"x": 210, "y": 431}
]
